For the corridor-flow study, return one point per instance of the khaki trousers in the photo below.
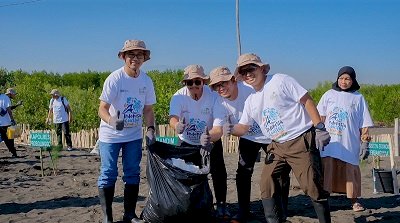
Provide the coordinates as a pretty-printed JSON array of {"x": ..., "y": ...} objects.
[{"x": 302, "y": 156}]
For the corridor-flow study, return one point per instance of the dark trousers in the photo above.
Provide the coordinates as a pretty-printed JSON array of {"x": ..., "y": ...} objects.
[
  {"x": 63, "y": 127},
  {"x": 217, "y": 170},
  {"x": 9, "y": 142},
  {"x": 248, "y": 153}
]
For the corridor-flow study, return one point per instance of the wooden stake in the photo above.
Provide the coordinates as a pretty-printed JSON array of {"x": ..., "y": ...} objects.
[{"x": 41, "y": 162}]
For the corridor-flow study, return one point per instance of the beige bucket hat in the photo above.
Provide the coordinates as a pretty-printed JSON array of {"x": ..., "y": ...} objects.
[
  {"x": 55, "y": 92},
  {"x": 11, "y": 91},
  {"x": 219, "y": 74},
  {"x": 135, "y": 45},
  {"x": 194, "y": 71},
  {"x": 250, "y": 58}
]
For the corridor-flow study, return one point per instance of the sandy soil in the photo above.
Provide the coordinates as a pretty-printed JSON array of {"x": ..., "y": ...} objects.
[{"x": 71, "y": 195}]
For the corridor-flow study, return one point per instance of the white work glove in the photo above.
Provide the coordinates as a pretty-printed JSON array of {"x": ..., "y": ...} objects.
[
  {"x": 227, "y": 128},
  {"x": 322, "y": 138},
  {"x": 364, "y": 150},
  {"x": 116, "y": 122},
  {"x": 150, "y": 136},
  {"x": 19, "y": 103},
  {"x": 180, "y": 126}
]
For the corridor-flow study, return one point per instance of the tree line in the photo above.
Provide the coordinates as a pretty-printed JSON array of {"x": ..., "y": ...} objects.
[{"x": 82, "y": 89}]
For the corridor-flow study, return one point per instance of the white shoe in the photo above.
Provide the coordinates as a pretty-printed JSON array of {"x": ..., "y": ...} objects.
[{"x": 70, "y": 149}]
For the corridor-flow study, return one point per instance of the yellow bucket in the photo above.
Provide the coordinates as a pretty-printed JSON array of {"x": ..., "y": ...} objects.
[{"x": 13, "y": 132}]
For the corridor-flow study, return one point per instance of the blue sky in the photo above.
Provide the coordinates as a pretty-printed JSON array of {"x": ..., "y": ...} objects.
[{"x": 309, "y": 40}]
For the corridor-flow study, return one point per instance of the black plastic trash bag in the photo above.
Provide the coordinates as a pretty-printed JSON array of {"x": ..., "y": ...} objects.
[{"x": 176, "y": 195}]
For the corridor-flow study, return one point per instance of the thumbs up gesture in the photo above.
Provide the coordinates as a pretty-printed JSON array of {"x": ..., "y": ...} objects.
[
  {"x": 205, "y": 140},
  {"x": 227, "y": 128},
  {"x": 180, "y": 126},
  {"x": 116, "y": 122}
]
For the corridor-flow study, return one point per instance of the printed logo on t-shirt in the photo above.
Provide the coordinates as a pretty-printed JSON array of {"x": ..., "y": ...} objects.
[
  {"x": 205, "y": 111},
  {"x": 254, "y": 129},
  {"x": 195, "y": 129},
  {"x": 132, "y": 113},
  {"x": 272, "y": 123},
  {"x": 123, "y": 90},
  {"x": 337, "y": 121},
  {"x": 142, "y": 90}
]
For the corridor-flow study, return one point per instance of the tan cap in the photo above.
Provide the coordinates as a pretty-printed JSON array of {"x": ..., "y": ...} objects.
[
  {"x": 219, "y": 74},
  {"x": 11, "y": 91},
  {"x": 135, "y": 45},
  {"x": 55, "y": 92},
  {"x": 194, "y": 71},
  {"x": 250, "y": 58}
]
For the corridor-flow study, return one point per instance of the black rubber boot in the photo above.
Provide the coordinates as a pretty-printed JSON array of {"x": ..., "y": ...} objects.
[
  {"x": 285, "y": 197},
  {"x": 131, "y": 192},
  {"x": 270, "y": 210},
  {"x": 106, "y": 196},
  {"x": 322, "y": 209}
]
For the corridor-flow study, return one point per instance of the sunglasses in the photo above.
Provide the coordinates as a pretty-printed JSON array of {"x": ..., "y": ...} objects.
[
  {"x": 245, "y": 70},
  {"x": 191, "y": 82},
  {"x": 139, "y": 56},
  {"x": 218, "y": 85}
]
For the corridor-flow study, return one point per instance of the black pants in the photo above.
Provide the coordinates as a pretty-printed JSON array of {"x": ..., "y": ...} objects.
[
  {"x": 248, "y": 153},
  {"x": 9, "y": 142},
  {"x": 217, "y": 170},
  {"x": 63, "y": 127}
]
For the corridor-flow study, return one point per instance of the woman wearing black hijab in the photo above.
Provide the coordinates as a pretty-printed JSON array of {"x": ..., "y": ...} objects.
[{"x": 345, "y": 114}]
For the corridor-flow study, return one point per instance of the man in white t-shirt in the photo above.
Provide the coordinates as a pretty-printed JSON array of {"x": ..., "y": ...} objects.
[
  {"x": 190, "y": 114},
  {"x": 228, "y": 108},
  {"x": 6, "y": 120},
  {"x": 125, "y": 103},
  {"x": 61, "y": 113},
  {"x": 286, "y": 114}
]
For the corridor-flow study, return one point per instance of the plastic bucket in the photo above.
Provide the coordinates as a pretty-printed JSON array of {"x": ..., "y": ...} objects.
[{"x": 383, "y": 181}]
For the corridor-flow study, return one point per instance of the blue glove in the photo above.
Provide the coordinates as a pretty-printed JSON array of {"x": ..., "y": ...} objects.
[
  {"x": 227, "y": 128},
  {"x": 205, "y": 141}
]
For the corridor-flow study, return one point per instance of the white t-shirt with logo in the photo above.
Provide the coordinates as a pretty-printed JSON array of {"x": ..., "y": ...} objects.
[
  {"x": 129, "y": 96},
  {"x": 60, "y": 115},
  {"x": 5, "y": 102},
  {"x": 198, "y": 114},
  {"x": 277, "y": 109},
  {"x": 346, "y": 113},
  {"x": 234, "y": 108}
]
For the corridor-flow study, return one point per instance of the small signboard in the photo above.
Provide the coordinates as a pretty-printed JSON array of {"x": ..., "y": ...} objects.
[
  {"x": 379, "y": 148},
  {"x": 40, "y": 139},
  {"x": 168, "y": 139}
]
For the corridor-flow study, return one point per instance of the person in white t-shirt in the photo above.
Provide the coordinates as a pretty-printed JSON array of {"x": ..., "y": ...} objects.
[
  {"x": 61, "y": 113},
  {"x": 125, "y": 103},
  {"x": 286, "y": 114},
  {"x": 346, "y": 116},
  {"x": 6, "y": 120},
  {"x": 228, "y": 108},
  {"x": 191, "y": 112}
]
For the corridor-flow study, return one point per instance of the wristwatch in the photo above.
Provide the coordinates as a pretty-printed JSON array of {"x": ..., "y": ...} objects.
[
  {"x": 151, "y": 127},
  {"x": 320, "y": 126}
]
